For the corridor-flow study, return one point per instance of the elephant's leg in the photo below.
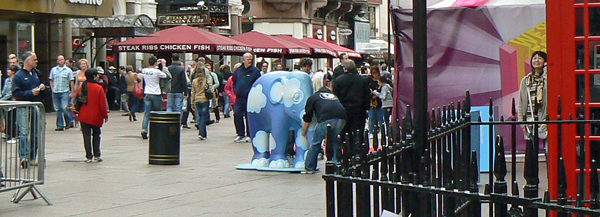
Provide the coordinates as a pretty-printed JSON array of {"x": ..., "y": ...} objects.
[
  {"x": 260, "y": 145},
  {"x": 278, "y": 156},
  {"x": 301, "y": 148}
]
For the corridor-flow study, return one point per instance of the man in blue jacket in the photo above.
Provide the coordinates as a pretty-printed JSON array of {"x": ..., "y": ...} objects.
[
  {"x": 243, "y": 78},
  {"x": 27, "y": 86}
]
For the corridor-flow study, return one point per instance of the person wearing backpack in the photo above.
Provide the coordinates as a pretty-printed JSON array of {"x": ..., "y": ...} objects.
[{"x": 387, "y": 98}]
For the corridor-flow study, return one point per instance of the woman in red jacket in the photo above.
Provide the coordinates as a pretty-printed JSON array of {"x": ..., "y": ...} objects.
[{"x": 92, "y": 114}]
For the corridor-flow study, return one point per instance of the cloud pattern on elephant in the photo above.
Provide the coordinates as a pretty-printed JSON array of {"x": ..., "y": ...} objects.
[
  {"x": 287, "y": 92},
  {"x": 259, "y": 99}
]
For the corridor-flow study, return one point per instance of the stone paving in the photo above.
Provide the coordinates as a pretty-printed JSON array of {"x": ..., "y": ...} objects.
[{"x": 206, "y": 182}]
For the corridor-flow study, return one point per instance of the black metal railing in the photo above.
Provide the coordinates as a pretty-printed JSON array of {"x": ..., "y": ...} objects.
[{"x": 442, "y": 177}]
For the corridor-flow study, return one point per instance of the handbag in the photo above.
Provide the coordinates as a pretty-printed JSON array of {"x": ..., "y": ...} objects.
[
  {"x": 208, "y": 92},
  {"x": 78, "y": 102},
  {"x": 542, "y": 128},
  {"x": 138, "y": 90}
]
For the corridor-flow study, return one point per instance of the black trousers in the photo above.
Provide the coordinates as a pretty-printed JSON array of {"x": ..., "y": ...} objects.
[
  {"x": 355, "y": 128},
  {"x": 91, "y": 140}
]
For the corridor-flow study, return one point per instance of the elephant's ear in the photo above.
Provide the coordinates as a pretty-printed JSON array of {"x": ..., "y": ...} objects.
[{"x": 276, "y": 94}]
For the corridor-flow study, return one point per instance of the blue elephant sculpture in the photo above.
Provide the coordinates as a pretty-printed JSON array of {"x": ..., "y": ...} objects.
[{"x": 275, "y": 106}]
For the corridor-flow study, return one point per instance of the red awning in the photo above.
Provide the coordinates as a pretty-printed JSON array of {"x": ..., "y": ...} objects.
[
  {"x": 318, "y": 51},
  {"x": 183, "y": 39},
  {"x": 271, "y": 46},
  {"x": 331, "y": 46}
]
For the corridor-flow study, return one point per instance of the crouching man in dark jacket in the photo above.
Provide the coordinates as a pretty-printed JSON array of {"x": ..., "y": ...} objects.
[{"x": 328, "y": 110}]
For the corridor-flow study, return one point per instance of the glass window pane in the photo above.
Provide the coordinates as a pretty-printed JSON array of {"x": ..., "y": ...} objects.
[
  {"x": 594, "y": 55},
  {"x": 594, "y": 21},
  {"x": 579, "y": 21},
  {"x": 595, "y": 115},
  {"x": 580, "y": 54},
  {"x": 595, "y": 88},
  {"x": 580, "y": 87}
]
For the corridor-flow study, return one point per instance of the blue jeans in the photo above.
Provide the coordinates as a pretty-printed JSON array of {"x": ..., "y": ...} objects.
[
  {"x": 201, "y": 117},
  {"x": 28, "y": 139},
  {"x": 61, "y": 105},
  {"x": 375, "y": 116},
  {"x": 315, "y": 143},
  {"x": 174, "y": 102},
  {"x": 151, "y": 103},
  {"x": 226, "y": 106}
]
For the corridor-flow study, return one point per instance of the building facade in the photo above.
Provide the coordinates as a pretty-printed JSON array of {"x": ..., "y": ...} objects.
[{"x": 40, "y": 26}]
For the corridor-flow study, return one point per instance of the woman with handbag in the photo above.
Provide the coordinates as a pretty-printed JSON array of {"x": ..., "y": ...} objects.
[
  {"x": 533, "y": 98},
  {"x": 92, "y": 114},
  {"x": 201, "y": 91},
  {"x": 132, "y": 80}
]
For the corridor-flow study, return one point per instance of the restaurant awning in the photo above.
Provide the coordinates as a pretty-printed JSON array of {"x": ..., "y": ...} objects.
[
  {"x": 318, "y": 51},
  {"x": 331, "y": 46},
  {"x": 270, "y": 46},
  {"x": 183, "y": 39}
]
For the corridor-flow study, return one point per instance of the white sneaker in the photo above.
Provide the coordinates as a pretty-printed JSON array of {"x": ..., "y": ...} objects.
[
  {"x": 99, "y": 159},
  {"x": 247, "y": 139},
  {"x": 87, "y": 160},
  {"x": 201, "y": 137},
  {"x": 12, "y": 141},
  {"x": 239, "y": 139}
]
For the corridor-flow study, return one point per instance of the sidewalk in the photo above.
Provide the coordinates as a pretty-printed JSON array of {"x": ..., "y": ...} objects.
[{"x": 206, "y": 182}]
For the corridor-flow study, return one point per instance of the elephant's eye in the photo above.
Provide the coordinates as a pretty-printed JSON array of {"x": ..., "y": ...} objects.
[{"x": 297, "y": 97}]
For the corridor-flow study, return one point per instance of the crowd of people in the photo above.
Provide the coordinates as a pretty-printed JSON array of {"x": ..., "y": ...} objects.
[{"x": 83, "y": 96}]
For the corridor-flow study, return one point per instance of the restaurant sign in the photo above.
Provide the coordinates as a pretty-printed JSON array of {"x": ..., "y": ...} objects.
[
  {"x": 179, "y": 19},
  {"x": 86, "y": 2},
  {"x": 181, "y": 48}
]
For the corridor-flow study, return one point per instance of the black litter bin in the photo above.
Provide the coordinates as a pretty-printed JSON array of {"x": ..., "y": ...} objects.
[{"x": 164, "y": 138}]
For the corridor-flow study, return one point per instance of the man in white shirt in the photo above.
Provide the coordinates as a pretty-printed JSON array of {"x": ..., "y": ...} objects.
[{"x": 152, "y": 92}]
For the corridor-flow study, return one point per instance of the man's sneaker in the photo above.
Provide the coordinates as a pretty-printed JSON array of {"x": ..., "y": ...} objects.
[
  {"x": 59, "y": 129},
  {"x": 144, "y": 135},
  {"x": 201, "y": 137},
  {"x": 12, "y": 141},
  {"x": 33, "y": 163},
  {"x": 99, "y": 159},
  {"x": 87, "y": 160},
  {"x": 24, "y": 163},
  {"x": 308, "y": 172},
  {"x": 247, "y": 139},
  {"x": 239, "y": 139}
]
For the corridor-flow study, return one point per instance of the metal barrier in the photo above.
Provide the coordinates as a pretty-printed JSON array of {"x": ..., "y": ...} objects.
[
  {"x": 441, "y": 177},
  {"x": 22, "y": 149}
]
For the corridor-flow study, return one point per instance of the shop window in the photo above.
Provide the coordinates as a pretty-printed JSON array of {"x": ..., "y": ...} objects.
[
  {"x": 25, "y": 39},
  {"x": 594, "y": 115}
]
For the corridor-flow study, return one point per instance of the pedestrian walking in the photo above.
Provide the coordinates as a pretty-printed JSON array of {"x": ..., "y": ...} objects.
[
  {"x": 10, "y": 117},
  {"x": 131, "y": 79},
  {"x": 200, "y": 102},
  {"x": 92, "y": 114},
  {"x": 226, "y": 73},
  {"x": 375, "y": 110},
  {"x": 62, "y": 82},
  {"x": 243, "y": 78},
  {"x": 353, "y": 92},
  {"x": 27, "y": 86},
  {"x": 178, "y": 85},
  {"x": 152, "y": 91}
]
